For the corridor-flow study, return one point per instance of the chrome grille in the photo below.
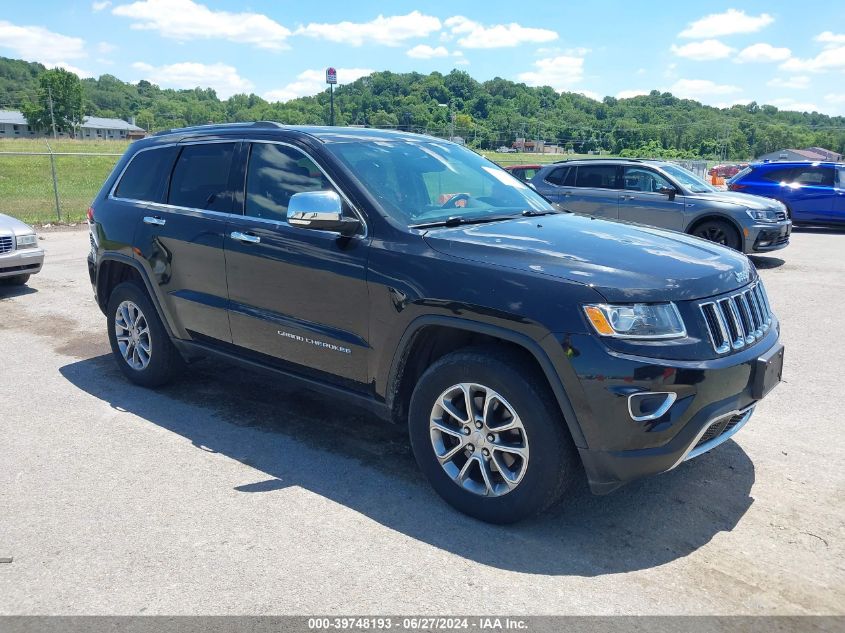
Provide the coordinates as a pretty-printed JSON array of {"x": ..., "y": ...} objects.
[
  {"x": 5, "y": 243},
  {"x": 781, "y": 215},
  {"x": 738, "y": 320}
]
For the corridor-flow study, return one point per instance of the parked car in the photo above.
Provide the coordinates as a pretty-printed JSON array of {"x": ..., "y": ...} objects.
[
  {"x": 20, "y": 255},
  {"x": 665, "y": 195},
  {"x": 516, "y": 343},
  {"x": 523, "y": 172},
  {"x": 506, "y": 150},
  {"x": 813, "y": 193},
  {"x": 726, "y": 171}
]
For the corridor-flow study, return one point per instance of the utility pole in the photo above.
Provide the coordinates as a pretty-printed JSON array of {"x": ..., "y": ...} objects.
[{"x": 52, "y": 116}]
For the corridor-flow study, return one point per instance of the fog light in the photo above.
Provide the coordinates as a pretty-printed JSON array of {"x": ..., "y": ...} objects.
[{"x": 650, "y": 405}]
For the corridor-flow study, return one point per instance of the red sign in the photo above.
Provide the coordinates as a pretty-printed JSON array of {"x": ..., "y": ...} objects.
[{"x": 331, "y": 76}]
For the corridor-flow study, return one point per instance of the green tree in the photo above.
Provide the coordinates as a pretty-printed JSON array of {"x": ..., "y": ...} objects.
[{"x": 65, "y": 91}]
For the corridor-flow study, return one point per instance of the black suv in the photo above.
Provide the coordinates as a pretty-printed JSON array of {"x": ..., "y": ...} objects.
[{"x": 517, "y": 342}]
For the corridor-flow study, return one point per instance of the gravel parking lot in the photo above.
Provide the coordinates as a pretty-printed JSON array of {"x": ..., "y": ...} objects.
[{"x": 231, "y": 493}]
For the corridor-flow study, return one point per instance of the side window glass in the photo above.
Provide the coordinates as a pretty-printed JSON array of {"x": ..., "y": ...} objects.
[
  {"x": 274, "y": 174},
  {"x": 558, "y": 176},
  {"x": 818, "y": 176},
  {"x": 641, "y": 179},
  {"x": 597, "y": 176},
  {"x": 201, "y": 177},
  {"x": 146, "y": 176},
  {"x": 779, "y": 175}
]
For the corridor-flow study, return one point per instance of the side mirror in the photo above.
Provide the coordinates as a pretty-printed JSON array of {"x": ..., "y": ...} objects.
[
  {"x": 320, "y": 210},
  {"x": 668, "y": 191}
]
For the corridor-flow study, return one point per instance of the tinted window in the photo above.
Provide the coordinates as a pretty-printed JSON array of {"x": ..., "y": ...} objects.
[
  {"x": 201, "y": 177},
  {"x": 146, "y": 177},
  {"x": 641, "y": 179},
  {"x": 818, "y": 176},
  {"x": 558, "y": 176},
  {"x": 784, "y": 174},
  {"x": 275, "y": 173},
  {"x": 597, "y": 176}
]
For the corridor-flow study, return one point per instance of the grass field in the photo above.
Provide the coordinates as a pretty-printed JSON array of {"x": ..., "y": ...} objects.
[{"x": 26, "y": 184}]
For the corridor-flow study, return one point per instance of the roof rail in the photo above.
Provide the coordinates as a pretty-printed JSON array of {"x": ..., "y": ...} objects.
[{"x": 219, "y": 126}]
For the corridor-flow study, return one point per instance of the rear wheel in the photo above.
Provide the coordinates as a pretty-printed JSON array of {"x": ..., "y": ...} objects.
[
  {"x": 489, "y": 436},
  {"x": 720, "y": 232},
  {"x": 139, "y": 342}
]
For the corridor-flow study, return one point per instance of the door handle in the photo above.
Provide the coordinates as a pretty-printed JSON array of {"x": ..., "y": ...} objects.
[
  {"x": 627, "y": 197},
  {"x": 156, "y": 221},
  {"x": 246, "y": 238}
]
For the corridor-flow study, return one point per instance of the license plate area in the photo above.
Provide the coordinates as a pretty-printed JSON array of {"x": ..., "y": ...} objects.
[{"x": 768, "y": 372}]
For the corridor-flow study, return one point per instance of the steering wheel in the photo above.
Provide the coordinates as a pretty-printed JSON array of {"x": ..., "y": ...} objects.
[{"x": 452, "y": 203}]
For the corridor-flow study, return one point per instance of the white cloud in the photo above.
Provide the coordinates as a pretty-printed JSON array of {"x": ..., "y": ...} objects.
[
  {"x": 792, "y": 104},
  {"x": 701, "y": 89},
  {"x": 559, "y": 72},
  {"x": 705, "y": 50},
  {"x": 99, "y": 6},
  {"x": 798, "y": 82},
  {"x": 223, "y": 78},
  {"x": 762, "y": 53},
  {"x": 79, "y": 72},
  {"x": 310, "y": 82},
  {"x": 105, "y": 48},
  {"x": 829, "y": 38},
  {"x": 590, "y": 94},
  {"x": 629, "y": 94},
  {"x": 730, "y": 22},
  {"x": 829, "y": 59},
  {"x": 186, "y": 20},
  {"x": 473, "y": 34},
  {"x": 35, "y": 43},
  {"x": 424, "y": 51},
  {"x": 389, "y": 31}
]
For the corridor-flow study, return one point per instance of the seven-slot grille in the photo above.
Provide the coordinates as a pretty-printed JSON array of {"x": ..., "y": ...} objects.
[
  {"x": 738, "y": 320},
  {"x": 5, "y": 243}
]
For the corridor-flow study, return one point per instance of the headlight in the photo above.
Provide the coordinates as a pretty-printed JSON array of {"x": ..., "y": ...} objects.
[
  {"x": 762, "y": 216},
  {"x": 638, "y": 320},
  {"x": 26, "y": 241}
]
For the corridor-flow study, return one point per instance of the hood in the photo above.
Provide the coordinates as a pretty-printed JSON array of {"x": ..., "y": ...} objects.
[
  {"x": 624, "y": 262},
  {"x": 13, "y": 226},
  {"x": 745, "y": 200}
]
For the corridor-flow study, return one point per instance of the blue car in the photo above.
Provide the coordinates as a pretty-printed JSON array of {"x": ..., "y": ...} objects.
[{"x": 814, "y": 193}]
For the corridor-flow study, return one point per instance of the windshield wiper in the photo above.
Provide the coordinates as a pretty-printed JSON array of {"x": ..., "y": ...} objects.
[
  {"x": 533, "y": 213},
  {"x": 457, "y": 220}
]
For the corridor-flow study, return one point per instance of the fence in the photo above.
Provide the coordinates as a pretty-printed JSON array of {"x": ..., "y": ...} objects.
[{"x": 50, "y": 186}]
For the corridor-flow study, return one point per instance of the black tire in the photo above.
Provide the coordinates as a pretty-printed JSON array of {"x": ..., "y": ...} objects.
[
  {"x": 720, "y": 232},
  {"x": 553, "y": 464},
  {"x": 17, "y": 280},
  {"x": 164, "y": 359}
]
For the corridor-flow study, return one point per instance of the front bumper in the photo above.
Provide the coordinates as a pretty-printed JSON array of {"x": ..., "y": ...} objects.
[
  {"x": 711, "y": 400},
  {"x": 27, "y": 261},
  {"x": 762, "y": 238}
]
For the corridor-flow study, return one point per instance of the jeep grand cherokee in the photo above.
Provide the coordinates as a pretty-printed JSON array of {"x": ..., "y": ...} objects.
[{"x": 518, "y": 343}]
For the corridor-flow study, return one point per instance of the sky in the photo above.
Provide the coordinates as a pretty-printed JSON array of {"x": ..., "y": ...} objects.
[{"x": 787, "y": 54}]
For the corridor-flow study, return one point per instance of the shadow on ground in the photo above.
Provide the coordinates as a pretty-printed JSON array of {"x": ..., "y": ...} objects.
[
  {"x": 342, "y": 453},
  {"x": 7, "y": 291},
  {"x": 763, "y": 263}
]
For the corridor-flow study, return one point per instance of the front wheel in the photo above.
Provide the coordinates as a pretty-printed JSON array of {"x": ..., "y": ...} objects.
[
  {"x": 139, "y": 342},
  {"x": 720, "y": 232},
  {"x": 17, "y": 280},
  {"x": 489, "y": 436}
]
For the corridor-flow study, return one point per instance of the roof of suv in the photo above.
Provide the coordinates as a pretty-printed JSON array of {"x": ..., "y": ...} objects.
[
  {"x": 588, "y": 161},
  {"x": 326, "y": 134},
  {"x": 796, "y": 163}
]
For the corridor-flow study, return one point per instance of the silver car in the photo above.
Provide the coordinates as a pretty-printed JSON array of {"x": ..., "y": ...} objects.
[
  {"x": 20, "y": 255},
  {"x": 665, "y": 195}
]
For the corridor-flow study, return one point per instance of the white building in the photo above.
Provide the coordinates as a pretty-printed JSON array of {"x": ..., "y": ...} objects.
[{"x": 14, "y": 125}]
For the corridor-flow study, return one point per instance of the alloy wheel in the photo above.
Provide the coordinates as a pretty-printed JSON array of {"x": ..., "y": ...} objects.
[
  {"x": 133, "y": 335},
  {"x": 479, "y": 439}
]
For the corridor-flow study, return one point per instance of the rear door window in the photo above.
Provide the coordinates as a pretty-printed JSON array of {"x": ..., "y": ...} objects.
[
  {"x": 145, "y": 179},
  {"x": 818, "y": 176},
  {"x": 201, "y": 177},
  {"x": 597, "y": 177},
  {"x": 784, "y": 174}
]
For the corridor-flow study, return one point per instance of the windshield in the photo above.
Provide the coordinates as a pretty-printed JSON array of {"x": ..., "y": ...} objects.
[
  {"x": 422, "y": 182},
  {"x": 687, "y": 179}
]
